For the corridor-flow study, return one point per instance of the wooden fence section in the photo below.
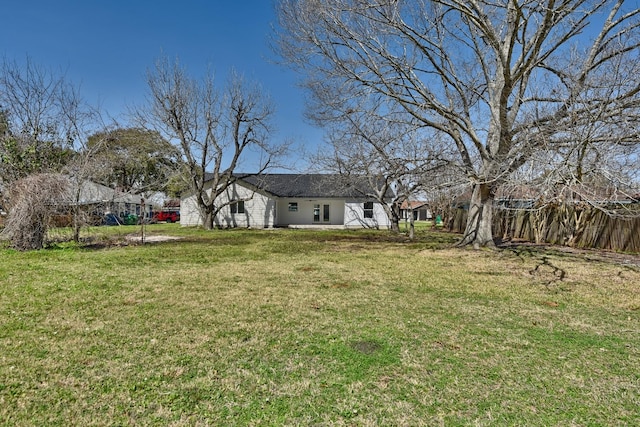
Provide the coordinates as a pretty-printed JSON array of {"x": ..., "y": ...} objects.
[{"x": 570, "y": 225}]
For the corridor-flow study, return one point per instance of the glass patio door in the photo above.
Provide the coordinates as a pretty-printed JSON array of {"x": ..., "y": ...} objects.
[{"x": 325, "y": 213}]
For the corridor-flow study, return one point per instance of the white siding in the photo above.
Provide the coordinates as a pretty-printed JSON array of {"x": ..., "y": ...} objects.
[
  {"x": 189, "y": 213},
  {"x": 259, "y": 210},
  {"x": 354, "y": 216},
  {"x": 305, "y": 213}
]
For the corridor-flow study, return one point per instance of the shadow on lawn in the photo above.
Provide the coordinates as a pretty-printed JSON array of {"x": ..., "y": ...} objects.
[{"x": 542, "y": 251}]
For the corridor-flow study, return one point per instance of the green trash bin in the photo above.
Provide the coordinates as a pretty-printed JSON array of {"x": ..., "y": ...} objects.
[{"x": 131, "y": 219}]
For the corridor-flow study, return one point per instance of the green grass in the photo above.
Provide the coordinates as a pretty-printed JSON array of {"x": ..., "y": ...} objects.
[{"x": 302, "y": 327}]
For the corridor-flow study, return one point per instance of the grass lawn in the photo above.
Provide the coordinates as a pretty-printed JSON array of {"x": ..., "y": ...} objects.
[{"x": 301, "y": 327}]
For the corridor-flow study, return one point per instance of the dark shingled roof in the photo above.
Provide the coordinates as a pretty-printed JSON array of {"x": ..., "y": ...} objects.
[
  {"x": 303, "y": 185},
  {"x": 307, "y": 185}
]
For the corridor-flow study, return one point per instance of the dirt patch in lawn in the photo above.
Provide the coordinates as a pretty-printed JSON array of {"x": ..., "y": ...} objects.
[{"x": 151, "y": 238}]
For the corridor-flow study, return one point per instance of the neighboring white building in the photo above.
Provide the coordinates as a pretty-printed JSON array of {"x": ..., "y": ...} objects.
[
  {"x": 419, "y": 210},
  {"x": 290, "y": 200}
]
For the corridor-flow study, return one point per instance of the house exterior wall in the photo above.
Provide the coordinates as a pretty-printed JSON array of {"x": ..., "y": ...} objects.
[
  {"x": 262, "y": 211},
  {"x": 189, "y": 213},
  {"x": 259, "y": 210},
  {"x": 354, "y": 216},
  {"x": 304, "y": 215}
]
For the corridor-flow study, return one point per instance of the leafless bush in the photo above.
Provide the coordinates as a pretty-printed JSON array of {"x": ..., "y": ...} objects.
[{"x": 32, "y": 202}]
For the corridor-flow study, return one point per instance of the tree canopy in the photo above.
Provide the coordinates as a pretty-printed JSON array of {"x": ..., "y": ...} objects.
[
  {"x": 503, "y": 82},
  {"x": 134, "y": 159}
]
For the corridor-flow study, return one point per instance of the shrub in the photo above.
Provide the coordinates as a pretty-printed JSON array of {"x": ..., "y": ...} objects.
[{"x": 32, "y": 202}]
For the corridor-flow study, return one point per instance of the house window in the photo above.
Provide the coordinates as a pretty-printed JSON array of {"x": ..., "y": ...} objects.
[
  {"x": 325, "y": 213},
  {"x": 293, "y": 207},
  {"x": 316, "y": 213},
  {"x": 237, "y": 207},
  {"x": 368, "y": 209}
]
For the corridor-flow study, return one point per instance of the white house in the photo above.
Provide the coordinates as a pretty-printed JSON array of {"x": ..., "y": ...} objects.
[
  {"x": 419, "y": 210},
  {"x": 290, "y": 200}
]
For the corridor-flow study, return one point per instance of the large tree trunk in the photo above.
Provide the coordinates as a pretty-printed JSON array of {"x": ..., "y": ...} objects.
[
  {"x": 478, "y": 230},
  {"x": 393, "y": 214},
  {"x": 209, "y": 220},
  {"x": 395, "y": 218},
  {"x": 208, "y": 214}
]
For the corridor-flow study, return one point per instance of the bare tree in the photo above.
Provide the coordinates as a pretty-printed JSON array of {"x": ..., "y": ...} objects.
[
  {"x": 370, "y": 139},
  {"x": 83, "y": 167},
  {"x": 215, "y": 130},
  {"x": 501, "y": 80},
  {"x": 45, "y": 127},
  {"x": 37, "y": 134},
  {"x": 392, "y": 157}
]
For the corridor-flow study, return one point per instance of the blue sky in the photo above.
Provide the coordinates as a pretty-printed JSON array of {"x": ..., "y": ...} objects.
[{"x": 106, "y": 47}]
